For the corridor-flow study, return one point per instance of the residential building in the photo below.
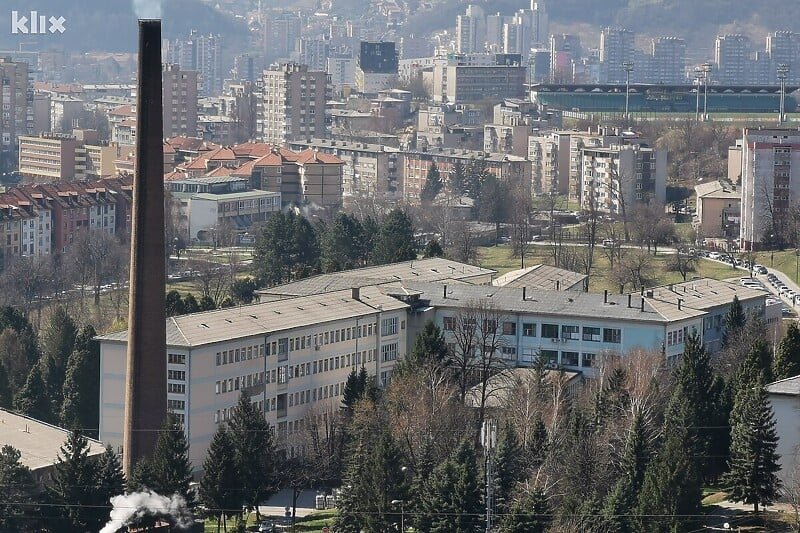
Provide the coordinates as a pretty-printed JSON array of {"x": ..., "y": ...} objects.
[
  {"x": 539, "y": 33},
  {"x": 616, "y": 48},
  {"x": 293, "y": 104},
  {"x": 313, "y": 51},
  {"x": 549, "y": 153},
  {"x": 514, "y": 120},
  {"x": 783, "y": 48},
  {"x": 617, "y": 178},
  {"x": 376, "y": 67},
  {"x": 471, "y": 30},
  {"x": 179, "y": 101},
  {"x": 342, "y": 69},
  {"x": 40, "y": 444},
  {"x": 565, "y": 49},
  {"x": 368, "y": 170},
  {"x": 290, "y": 357},
  {"x": 449, "y": 126},
  {"x": 457, "y": 82},
  {"x": 770, "y": 180},
  {"x": 65, "y": 110},
  {"x": 281, "y": 33},
  {"x": 732, "y": 60},
  {"x": 16, "y": 98},
  {"x": 666, "y": 62},
  {"x": 719, "y": 207},
  {"x": 65, "y": 157},
  {"x": 784, "y": 399},
  {"x": 202, "y": 54}
]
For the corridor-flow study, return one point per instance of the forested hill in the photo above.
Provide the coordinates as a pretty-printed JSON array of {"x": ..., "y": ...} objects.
[{"x": 110, "y": 25}]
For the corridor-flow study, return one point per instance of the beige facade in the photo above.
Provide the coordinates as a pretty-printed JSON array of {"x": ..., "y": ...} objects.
[
  {"x": 719, "y": 207},
  {"x": 62, "y": 157},
  {"x": 293, "y": 104},
  {"x": 292, "y": 358}
]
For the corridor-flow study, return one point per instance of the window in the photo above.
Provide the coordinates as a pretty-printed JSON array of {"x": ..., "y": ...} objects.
[
  {"x": 283, "y": 349},
  {"x": 180, "y": 359},
  {"x": 490, "y": 326},
  {"x": 217, "y": 387},
  {"x": 588, "y": 360},
  {"x": 282, "y": 374},
  {"x": 549, "y": 356},
  {"x": 177, "y": 375},
  {"x": 389, "y": 326},
  {"x": 508, "y": 350},
  {"x": 569, "y": 358},
  {"x": 570, "y": 332},
  {"x": 176, "y": 405},
  {"x": 591, "y": 334},
  {"x": 612, "y": 335},
  {"x": 176, "y": 388},
  {"x": 389, "y": 352},
  {"x": 528, "y": 330},
  {"x": 448, "y": 323},
  {"x": 509, "y": 328},
  {"x": 550, "y": 331}
]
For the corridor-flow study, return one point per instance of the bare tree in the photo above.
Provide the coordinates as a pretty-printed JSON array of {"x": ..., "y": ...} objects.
[
  {"x": 464, "y": 244},
  {"x": 27, "y": 283},
  {"x": 682, "y": 261}
]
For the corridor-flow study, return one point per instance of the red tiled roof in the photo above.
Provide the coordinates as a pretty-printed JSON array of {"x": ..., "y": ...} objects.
[
  {"x": 123, "y": 110},
  {"x": 309, "y": 155},
  {"x": 221, "y": 171},
  {"x": 252, "y": 149},
  {"x": 175, "y": 175}
]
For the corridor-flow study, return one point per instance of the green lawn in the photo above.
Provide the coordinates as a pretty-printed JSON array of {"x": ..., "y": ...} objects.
[
  {"x": 499, "y": 258},
  {"x": 786, "y": 262},
  {"x": 312, "y": 523}
]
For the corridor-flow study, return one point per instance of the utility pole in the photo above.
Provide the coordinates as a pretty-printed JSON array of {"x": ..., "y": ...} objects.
[
  {"x": 706, "y": 77},
  {"x": 628, "y": 66},
  {"x": 698, "y": 79},
  {"x": 489, "y": 441}
]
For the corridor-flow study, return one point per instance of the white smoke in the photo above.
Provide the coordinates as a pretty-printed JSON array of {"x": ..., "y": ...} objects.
[
  {"x": 130, "y": 507},
  {"x": 147, "y": 9}
]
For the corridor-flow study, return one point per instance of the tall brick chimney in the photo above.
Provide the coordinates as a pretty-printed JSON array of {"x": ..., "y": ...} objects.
[{"x": 146, "y": 376}]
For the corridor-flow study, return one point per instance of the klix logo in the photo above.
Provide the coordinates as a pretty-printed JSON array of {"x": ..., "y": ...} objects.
[{"x": 34, "y": 23}]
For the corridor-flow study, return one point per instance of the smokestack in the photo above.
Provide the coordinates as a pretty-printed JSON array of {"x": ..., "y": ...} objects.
[
  {"x": 444, "y": 292},
  {"x": 356, "y": 293},
  {"x": 642, "y": 304},
  {"x": 558, "y": 285},
  {"x": 605, "y": 296},
  {"x": 629, "y": 300},
  {"x": 524, "y": 293},
  {"x": 146, "y": 377}
]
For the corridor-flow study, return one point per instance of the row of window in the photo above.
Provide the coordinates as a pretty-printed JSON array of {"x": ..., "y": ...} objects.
[
  {"x": 550, "y": 331},
  {"x": 585, "y": 360},
  {"x": 239, "y": 382},
  {"x": 676, "y": 337}
]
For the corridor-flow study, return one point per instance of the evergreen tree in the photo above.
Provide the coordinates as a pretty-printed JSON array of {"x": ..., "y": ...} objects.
[
  {"x": 169, "y": 469},
  {"x": 243, "y": 290},
  {"x": 341, "y": 245},
  {"x": 254, "y": 452},
  {"x": 757, "y": 364},
  {"x": 753, "y": 462},
  {"x": 33, "y": 400},
  {"x": 371, "y": 229},
  {"x": 720, "y": 432},
  {"x": 58, "y": 341},
  {"x": 382, "y": 482},
  {"x": 305, "y": 250},
  {"x": 141, "y": 477},
  {"x": 353, "y": 391},
  {"x": 429, "y": 348},
  {"x": 190, "y": 304},
  {"x": 174, "y": 303},
  {"x": 79, "y": 409},
  {"x": 531, "y": 513},
  {"x": 624, "y": 493},
  {"x": 72, "y": 490},
  {"x": 787, "y": 358},
  {"x": 508, "y": 467},
  {"x": 395, "y": 240},
  {"x": 493, "y": 202},
  {"x": 17, "y": 492},
  {"x": 110, "y": 482},
  {"x": 206, "y": 303},
  {"x": 219, "y": 486},
  {"x": 453, "y": 503},
  {"x": 458, "y": 179},
  {"x": 6, "y": 400},
  {"x": 433, "y": 184},
  {"x": 271, "y": 263},
  {"x": 735, "y": 320},
  {"x": 433, "y": 249},
  {"x": 536, "y": 448},
  {"x": 672, "y": 488}
]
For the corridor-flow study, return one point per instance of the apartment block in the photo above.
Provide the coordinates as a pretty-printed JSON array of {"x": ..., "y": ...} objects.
[
  {"x": 293, "y": 104},
  {"x": 513, "y": 121},
  {"x": 615, "y": 179},
  {"x": 64, "y": 157},
  {"x": 666, "y": 62},
  {"x": 471, "y": 30},
  {"x": 616, "y": 48},
  {"x": 16, "y": 98},
  {"x": 457, "y": 82},
  {"x": 376, "y": 67},
  {"x": 179, "y": 101},
  {"x": 290, "y": 358},
  {"x": 770, "y": 180},
  {"x": 565, "y": 49},
  {"x": 199, "y": 53},
  {"x": 732, "y": 60}
]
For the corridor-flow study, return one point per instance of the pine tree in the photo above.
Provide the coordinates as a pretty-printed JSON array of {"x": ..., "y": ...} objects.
[
  {"x": 433, "y": 184},
  {"x": 536, "y": 449},
  {"x": 353, "y": 391},
  {"x": 457, "y": 179},
  {"x": 508, "y": 467},
  {"x": 254, "y": 452},
  {"x": 174, "y": 302},
  {"x": 169, "y": 467},
  {"x": 753, "y": 462},
  {"x": 453, "y": 503},
  {"x": 735, "y": 320},
  {"x": 433, "y": 249},
  {"x": 787, "y": 358},
  {"x": 190, "y": 304},
  {"x": 219, "y": 488},
  {"x": 382, "y": 482},
  {"x": 33, "y": 400},
  {"x": 206, "y": 303},
  {"x": 79, "y": 409},
  {"x": 341, "y": 244},
  {"x": 18, "y": 492},
  {"x": 672, "y": 488},
  {"x": 429, "y": 348},
  {"x": 395, "y": 240},
  {"x": 531, "y": 513},
  {"x": 623, "y": 495},
  {"x": 756, "y": 365},
  {"x": 58, "y": 341},
  {"x": 141, "y": 477},
  {"x": 110, "y": 482},
  {"x": 6, "y": 399},
  {"x": 73, "y": 486}
]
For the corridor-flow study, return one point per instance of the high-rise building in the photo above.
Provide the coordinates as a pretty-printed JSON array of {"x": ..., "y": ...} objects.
[
  {"x": 564, "y": 49},
  {"x": 202, "y": 53},
  {"x": 471, "y": 30},
  {"x": 180, "y": 101},
  {"x": 281, "y": 33},
  {"x": 732, "y": 59},
  {"x": 616, "y": 47},
  {"x": 376, "y": 67},
  {"x": 666, "y": 62},
  {"x": 783, "y": 48},
  {"x": 494, "y": 32},
  {"x": 459, "y": 80},
  {"x": 539, "y": 24},
  {"x": 313, "y": 51},
  {"x": 293, "y": 104},
  {"x": 16, "y": 98},
  {"x": 515, "y": 35},
  {"x": 770, "y": 179}
]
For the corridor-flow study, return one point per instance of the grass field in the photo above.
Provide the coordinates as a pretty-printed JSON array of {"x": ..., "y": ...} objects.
[
  {"x": 311, "y": 523},
  {"x": 499, "y": 258}
]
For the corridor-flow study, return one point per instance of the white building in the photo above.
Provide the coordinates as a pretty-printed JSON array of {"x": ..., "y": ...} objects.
[
  {"x": 784, "y": 397},
  {"x": 290, "y": 357},
  {"x": 770, "y": 184}
]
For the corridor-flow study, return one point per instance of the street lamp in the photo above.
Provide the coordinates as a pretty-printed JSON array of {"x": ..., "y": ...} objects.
[
  {"x": 698, "y": 80},
  {"x": 783, "y": 71},
  {"x": 706, "y": 77},
  {"x": 401, "y": 503},
  {"x": 628, "y": 66}
]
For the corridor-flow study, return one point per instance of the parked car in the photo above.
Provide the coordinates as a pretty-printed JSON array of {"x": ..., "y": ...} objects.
[{"x": 714, "y": 255}]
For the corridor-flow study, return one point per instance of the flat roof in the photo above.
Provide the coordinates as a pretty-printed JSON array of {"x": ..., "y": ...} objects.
[
  {"x": 222, "y": 325},
  {"x": 786, "y": 387},
  {"x": 38, "y": 442},
  {"x": 232, "y": 195},
  {"x": 540, "y": 277},
  {"x": 698, "y": 296}
]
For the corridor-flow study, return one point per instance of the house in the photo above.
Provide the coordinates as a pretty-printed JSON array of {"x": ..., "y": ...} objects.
[{"x": 784, "y": 397}]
